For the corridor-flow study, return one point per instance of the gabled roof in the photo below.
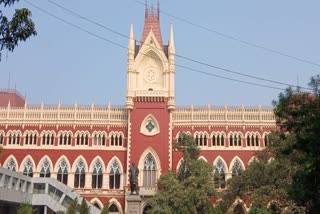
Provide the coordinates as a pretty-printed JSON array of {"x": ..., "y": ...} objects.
[
  {"x": 12, "y": 96},
  {"x": 152, "y": 22}
]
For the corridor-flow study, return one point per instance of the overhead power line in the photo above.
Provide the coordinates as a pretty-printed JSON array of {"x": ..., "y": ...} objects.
[
  {"x": 235, "y": 38},
  {"x": 177, "y": 55},
  {"x": 124, "y": 47}
]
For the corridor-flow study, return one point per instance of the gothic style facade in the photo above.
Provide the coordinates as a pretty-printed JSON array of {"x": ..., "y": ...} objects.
[{"x": 91, "y": 148}]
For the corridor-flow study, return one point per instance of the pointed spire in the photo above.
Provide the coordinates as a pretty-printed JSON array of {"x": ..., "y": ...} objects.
[
  {"x": 152, "y": 22},
  {"x": 171, "y": 39},
  {"x": 131, "y": 44}
]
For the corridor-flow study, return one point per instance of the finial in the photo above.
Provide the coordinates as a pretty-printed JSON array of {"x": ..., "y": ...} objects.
[
  {"x": 171, "y": 39},
  {"x": 158, "y": 9}
]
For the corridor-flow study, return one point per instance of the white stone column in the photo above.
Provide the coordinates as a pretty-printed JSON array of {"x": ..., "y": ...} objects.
[
  {"x": 71, "y": 179},
  {"x": 105, "y": 182},
  {"x": 88, "y": 180}
]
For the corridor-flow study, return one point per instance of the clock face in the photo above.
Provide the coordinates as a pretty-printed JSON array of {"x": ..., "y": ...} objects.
[{"x": 151, "y": 75}]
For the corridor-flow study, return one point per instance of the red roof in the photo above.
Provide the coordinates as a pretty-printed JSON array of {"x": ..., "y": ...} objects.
[
  {"x": 152, "y": 22},
  {"x": 16, "y": 100}
]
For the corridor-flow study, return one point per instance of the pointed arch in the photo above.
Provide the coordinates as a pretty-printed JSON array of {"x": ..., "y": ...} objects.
[
  {"x": 80, "y": 157},
  {"x": 115, "y": 173},
  {"x": 239, "y": 208},
  {"x": 154, "y": 154},
  {"x": 202, "y": 158},
  {"x": 28, "y": 166},
  {"x": 2, "y": 135},
  {"x": 219, "y": 173},
  {"x": 150, "y": 126},
  {"x": 45, "y": 166},
  {"x": 62, "y": 157},
  {"x": 62, "y": 168},
  {"x": 80, "y": 168},
  {"x": 97, "y": 168},
  {"x": 253, "y": 158},
  {"x": 236, "y": 166},
  {"x": 114, "y": 201},
  {"x": 109, "y": 166},
  {"x": 41, "y": 161},
  {"x": 150, "y": 168},
  {"x": 11, "y": 163},
  {"x": 98, "y": 202},
  {"x": 98, "y": 157},
  {"x": 215, "y": 162}
]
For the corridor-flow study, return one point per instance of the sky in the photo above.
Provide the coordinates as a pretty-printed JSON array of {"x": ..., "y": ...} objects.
[{"x": 66, "y": 65}]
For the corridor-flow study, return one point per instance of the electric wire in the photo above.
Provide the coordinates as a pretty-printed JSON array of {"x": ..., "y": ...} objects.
[
  {"x": 124, "y": 47},
  {"x": 235, "y": 38},
  {"x": 177, "y": 55}
]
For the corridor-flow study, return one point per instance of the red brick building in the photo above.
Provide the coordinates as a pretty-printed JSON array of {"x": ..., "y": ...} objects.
[{"x": 90, "y": 148}]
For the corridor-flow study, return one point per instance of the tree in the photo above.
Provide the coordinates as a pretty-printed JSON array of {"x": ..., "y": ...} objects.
[
  {"x": 84, "y": 207},
  {"x": 18, "y": 29},
  {"x": 285, "y": 176},
  {"x": 299, "y": 114},
  {"x": 191, "y": 189},
  {"x": 105, "y": 209},
  {"x": 25, "y": 208},
  {"x": 72, "y": 209}
]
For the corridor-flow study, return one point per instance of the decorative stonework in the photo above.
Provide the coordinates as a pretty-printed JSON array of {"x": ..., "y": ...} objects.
[
  {"x": 151, "y": 75},
  {"x": 150, "y": 126}
]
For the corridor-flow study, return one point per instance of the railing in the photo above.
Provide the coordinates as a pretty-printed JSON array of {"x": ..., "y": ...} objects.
[
  {"x": 18, "y": 188},
  {"x": 64, "y": 115},
  {"x": 227, "y": 116}
]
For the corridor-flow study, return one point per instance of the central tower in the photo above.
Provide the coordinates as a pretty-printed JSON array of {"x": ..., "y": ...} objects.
[
  {"x": 150, "y": 101},
  {"x": 151, "y": 63}
]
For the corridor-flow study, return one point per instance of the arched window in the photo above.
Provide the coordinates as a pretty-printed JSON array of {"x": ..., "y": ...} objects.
[
  {"x": 236, "y": 168},
  {"x": 99, "y": 139},
  {"x": 217, "y": 139},
  {"x": 80, "y": 175},
  {"x": 12, "y": 165},
  {"x": 257, "y": 140},
  {"x": 116, "y": 139},
  {"x": 146, "y": 208},
  {"x": 113, "y": 209},
  {"x": 96, "y": 205},
  {"x": 239, "y": 209},
  {"x": 13, "y": 138},
  {"x": 201, "y": 139},
  {"x": 28, "y": 168},
  {"x": 97, "y": 175},
  {"x": 65, "y": 138},
  {"x": 63, "y": 172},
  {"x": 45, "y": 169},
  {"x": 149, "y": 171},
  {"x": 47, "y": 139},
  {"x": 266, "y": 140},
  {"x": 219, "y": 175},
  {"x": 1, "y": 138},
  {"x": 248, "y": 140},
  {"x": 114, "y": 177}
]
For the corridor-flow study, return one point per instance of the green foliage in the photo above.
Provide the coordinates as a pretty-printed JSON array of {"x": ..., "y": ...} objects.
[
  {"x": 105, "y": 209},
  {"x": 299, "y": 114},
  {"x": 84, "y": 207},
  {"x": 285, "y": 177},
  {"x": 60, "y": 212},
  {"x": 72, "y": 209},
  {"x": 256, "y": 210},
  {"x": 25, "y": 208},
  {"x": 266, "y": 179},
  {"x": 191, "y": 189},
  {"x": 18, "y": 29}
]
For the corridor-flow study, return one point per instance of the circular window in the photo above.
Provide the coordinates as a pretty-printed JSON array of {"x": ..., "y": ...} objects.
[{"x": 151, "y": 75}]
